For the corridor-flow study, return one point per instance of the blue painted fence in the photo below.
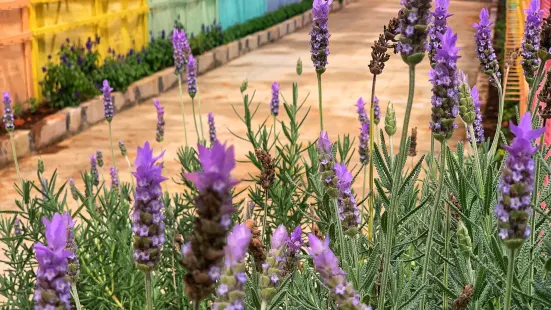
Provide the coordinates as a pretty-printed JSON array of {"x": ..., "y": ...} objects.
[
  {"x": 231, "y": 12},
  {"x": 272, "y": 5}
]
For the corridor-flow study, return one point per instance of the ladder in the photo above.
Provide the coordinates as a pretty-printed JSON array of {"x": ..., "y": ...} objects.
[{"x": 516, "y": 86}]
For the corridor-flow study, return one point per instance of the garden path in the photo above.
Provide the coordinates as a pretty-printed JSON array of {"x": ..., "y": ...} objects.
[{"x": 353, "y": 31}]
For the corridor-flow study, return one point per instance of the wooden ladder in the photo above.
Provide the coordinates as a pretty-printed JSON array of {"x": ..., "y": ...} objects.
[{"x": 516, "y": 86}]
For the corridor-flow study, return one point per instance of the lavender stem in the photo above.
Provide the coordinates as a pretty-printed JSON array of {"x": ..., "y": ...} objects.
[
  {"x": 371, "y": 138},
  {"x": 112, "y": 149},
  {"x": 15, "y": 158},
  {"x": 195, "y": 120},
  {"x": 320, "y": 101},
  {"x": 510, "y": 272},
  {"x": 200, "y": 115},
  {"x": 130, "y": 170},
  {"x": 148, "y": 292},
  {"x": 495, "y": 141},
  {"x": 476, "y": 160},
  {"x": 182, "y": 105},
  {"x": 74, "y": 293},
  {"x": 536, "y": 86}
]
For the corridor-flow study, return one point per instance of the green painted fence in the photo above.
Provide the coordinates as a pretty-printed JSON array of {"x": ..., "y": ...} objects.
[
  {"x": 233, "y": 12},
  {"x": 192, "y": 14}
]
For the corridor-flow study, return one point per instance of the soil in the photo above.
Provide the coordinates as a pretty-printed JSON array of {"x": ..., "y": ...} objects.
[{"x": 28, "y": 119}]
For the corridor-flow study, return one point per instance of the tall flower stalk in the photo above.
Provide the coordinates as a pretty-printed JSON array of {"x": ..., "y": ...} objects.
[
  {"x": 109, "y": 110},
  {"x": 444, "y": 79},
  {"x": 124, "y": 152},
  {"x": 212, "y": 129},
  {"x": 192, "y": 90},
  {"x": 273, "y": 268},
  {"x": 319, "y": 44},
  {"x": 274, "y": 105},
  {"x": 147, "y": 216},
  {"x": 204, "y": 252},
  {"x": 181, "y": 51},
  {"x": 364, "y": 144},
  {"x": 160, "y": 130},
  {"x": 8, "y": 121},
  {"x": 531, "y": 41}
]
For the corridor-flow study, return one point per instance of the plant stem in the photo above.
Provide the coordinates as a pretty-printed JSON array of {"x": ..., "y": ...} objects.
[
  {"x": 263, "y": 305},
  {"x": 200, "y": 115},
  {"x": 74, "y": 292},
  {"x": 14, "y": 152},
  {"x": 320, "y": 102},
  {"x": 391, "y": 152},
  {"x": 195, "y": 120},
  {"x": 371, "y": 145},
  {"x": 130, "y": 170},
  {"x": 476, "y": 160},
  {"x": 446, "y": 255},
  {"x": 433, "y": 213},
  {"x": 265, "y": 215},
  {"x": 363, "y": 187},
  {"x": 340, "y": 234},
  {"x": 495, "y": 141},
  {"x": 112, "y": 149},
  {"x": 535, "y": 86},
  {"x": 510, "y": 272},
  {"x": 196, "y": 305},
  {"x": 182, "y": 105},
  {"x": 394, "y": 193},
  {"x": 148, "y": 292}
]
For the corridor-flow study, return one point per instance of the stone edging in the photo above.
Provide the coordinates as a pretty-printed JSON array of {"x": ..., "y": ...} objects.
[{"x": 72, "y": 120}]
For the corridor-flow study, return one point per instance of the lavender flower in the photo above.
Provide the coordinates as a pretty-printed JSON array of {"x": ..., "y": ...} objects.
[
  {"x": 445, "y": 88},
  {"x": 516, "y": 185},
  {"x": 122, "y": 147},
  {"x": 478, "y": 129},
  {"x": 362, "y": 114},
  {"x": 191, "y": 77},
  {"x": 484, "y": 49},
  {"x": 181, "y": 50},
  {"x": 99, "y": 158},
  {"x": 294, "y": 245},
  {"x": 469, "y": 107},
  {"x": 272, "y": 269},
  {"x": 147, "y": 216},
  {"x": 364, "y": 144},
  {"x": 73, "y": 188},
  {"x": 114, "y": 178},
  {"x": 348, "y": 210},
  {"x": 231, "y": 288},
  {"x": 327, "y": 264},
  {"x": 376, "y": 111},
  {"x": 52, "y": 289},
  {"x": 214, "y": 208},
  {"x": 274, "y": 105},
  {"x": 531, "y": 41},
  {"x": 8, "y": 113},
  {"x": 327, "y": 162},
  {"x": 160, "y": 131},
  {"x": 319, "y": 34},
  {"x": 212, "y": 128},
  {"x": 17, "y": 227},
  {"x": 107, "y": 101},
  {"x": 413, "y": 20},
  {"x": 71, "y": 245},
  {"x": 438, "y": 27},
  {"x": 94, "y": 170}
]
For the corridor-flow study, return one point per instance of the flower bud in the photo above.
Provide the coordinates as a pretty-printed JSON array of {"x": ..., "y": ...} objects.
[
  {"x": 299, "y": 67},
  {"x": 390, "y": 120},
  {"x": 464, "y": 240}
]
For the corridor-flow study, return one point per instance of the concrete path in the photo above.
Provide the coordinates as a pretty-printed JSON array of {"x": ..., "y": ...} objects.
[{"x": 353, "y": 31}]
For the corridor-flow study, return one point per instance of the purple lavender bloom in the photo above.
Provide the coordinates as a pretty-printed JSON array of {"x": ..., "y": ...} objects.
[
  {"x": 52, "y": 289},
  {"x": 94, "y": 169},
  {"x": 107, "y": 101},
  {"x": 160, "y": 131},
  {"x": 531, "y": 41},
  {"x": 484, "y": 49},
  {"x": 327, "y": 162},
  {"x": 324, "y": 144},
  {"x": 99, "y": 158},
  {"x": 348, "y": 209},
  {"x": 319, "y": 34},
  {"x": 273, "y": 268},
  {"x": 294, "y": 245},
  {"x": 212, "y": 129},
  {"x": 231, "y": 289},
  {"x": 438, "y": 27},
  {"x": 327, "y": 265},
  {"x": 274, "y": 105},
  {"x": 181, "y": 50},
  {"x": 17, "y": 227},
  {"x": 364, "y": 143},
  {"x": 516, "y": 185},
  {"x": 478, "y": 129},
  {"x": 147, "y": 216},
  {"x": 376, "y": 111},
  {"x": 122, "y": 147},
  {"x": 413, "y": 21},
  {"x": 191, "y": 77},
  {"x": 445, "y": 83},
  {"x": 362, "y": 114},
  {"x": 8, "y": 113},
  {"x": 114, "y": 178}
]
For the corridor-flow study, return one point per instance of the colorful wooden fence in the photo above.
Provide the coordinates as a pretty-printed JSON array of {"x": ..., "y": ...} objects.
[{"x": 191, "y": 13}]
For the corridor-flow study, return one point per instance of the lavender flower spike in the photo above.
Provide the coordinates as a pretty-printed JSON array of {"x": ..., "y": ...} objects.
[
  {"x": 438, "y": 27},
  {"x": 531, "y": 41},
  {"x": 160, "y": 131},
  {"x": 364, "y": 144},
  {"x": 191, "y": 77},
  {"x": 516, "y": 185},
  {"x": 114, "y": 178},
  {"x": 327, "y": 162},
  {"x": 274, "y": 105},
  {"x": 181, "y": 49},
  {"x": 484, "y": 49},
  {"x": 478, "y": 128},
  {"x": 122, "y": 147},
  {"x": 413, "y": 22},
  {"x": 445, "y": 88},
  {"x": 319, "y": 34},
  {"x": 327, "y": 265},
  {"x": 294, "y": 245},
  {"x": 8, "y": 113},
  {"x": 376, "y": 111},
  {"x": 52, "y": 280},
  {"x": 231, "y": 289},
  {"x": 212, "y": 128},
  {"x": 362, "y": 114},
  {"x": 94, "y": 169},
  {"x": 348, "y": 210},
  {"x": 147, "y": 216},
  {"x": 108, "y": 107},
  {"x": 272, "y": 269},
  {"x": 214, "y": 208}
]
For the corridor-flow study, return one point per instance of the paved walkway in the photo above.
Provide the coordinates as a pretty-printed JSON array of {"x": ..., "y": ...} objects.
[{"x": 353, "y": 31}]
